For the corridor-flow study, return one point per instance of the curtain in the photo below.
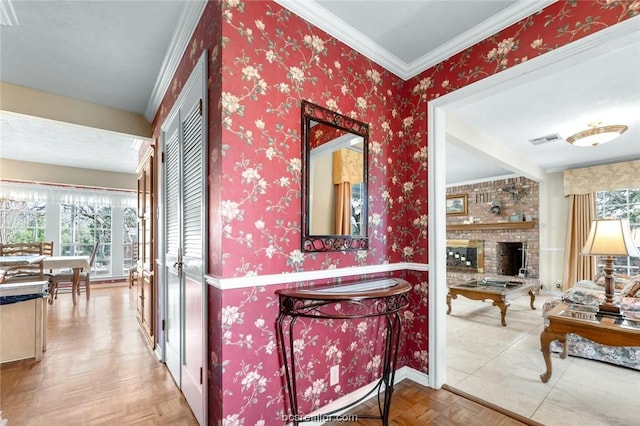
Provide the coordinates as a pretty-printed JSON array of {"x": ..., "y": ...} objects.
[
  {"x": 65, "y": 194},
  {"x": 582, "y": 211},
  {"x": 607, "y": 177},
  {"x": 343, "y": 208},
  {"x": 347, "y": 170}
]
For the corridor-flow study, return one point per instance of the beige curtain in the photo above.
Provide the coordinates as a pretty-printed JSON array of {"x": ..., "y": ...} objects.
[
  {"x": 347, "y": 170},
  {"x": 582, "y": 211},
  {"x": 343, "y": 208}
]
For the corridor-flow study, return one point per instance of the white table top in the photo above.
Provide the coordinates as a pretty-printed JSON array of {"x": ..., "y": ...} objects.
[
  {"x": 59, "y": 262},
  {"x": 19, "y": 260}
]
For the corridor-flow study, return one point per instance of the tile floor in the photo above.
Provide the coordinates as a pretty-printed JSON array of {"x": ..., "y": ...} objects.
[{"x": 502, "y": 365}]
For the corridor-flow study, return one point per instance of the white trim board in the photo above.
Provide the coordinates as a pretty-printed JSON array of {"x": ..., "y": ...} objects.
[
  {"x": 343, "y": 31},
  {"x": 273, "y": 279},
  {"x": 187, "y": 23}
]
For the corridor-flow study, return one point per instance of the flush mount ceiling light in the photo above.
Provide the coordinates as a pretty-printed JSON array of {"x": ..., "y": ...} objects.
[{"x": 597, "y": 135}]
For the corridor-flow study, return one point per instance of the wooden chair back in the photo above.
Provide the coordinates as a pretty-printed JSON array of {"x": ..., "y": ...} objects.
[
  {"x": 30, "y": 272},
  {"x": 47, "y": 248},
  {"x": 20, "y": 249},
  {"x": 94, "y": 253}
]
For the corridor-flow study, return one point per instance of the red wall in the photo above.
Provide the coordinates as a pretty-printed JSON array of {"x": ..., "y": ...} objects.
[{"x": 263, "y": 61}]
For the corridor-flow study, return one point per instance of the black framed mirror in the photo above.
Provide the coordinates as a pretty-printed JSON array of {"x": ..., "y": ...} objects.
[{"x": 335, "y": 152}]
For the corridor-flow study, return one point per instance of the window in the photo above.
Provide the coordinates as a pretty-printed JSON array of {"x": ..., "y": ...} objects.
[
  {"x": 81, "y": 226},
  {"x": 130, "y": 238},
  {"x": 356, "y": 209},
  {"x": 21, "y": 221},
  {"x": 73, "y": 218},
  {"x": 621, "y": 204}
]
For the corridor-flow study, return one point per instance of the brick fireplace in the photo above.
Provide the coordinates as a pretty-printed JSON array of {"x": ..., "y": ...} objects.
[
  {"x": 503, "y": 238},
  {"x": 511, "y": 259}
]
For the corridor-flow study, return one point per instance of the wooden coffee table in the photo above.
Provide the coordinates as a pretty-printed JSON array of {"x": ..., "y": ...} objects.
[
  {"x": 564, "y": 319},
  {"x": 501, "y": 292}
]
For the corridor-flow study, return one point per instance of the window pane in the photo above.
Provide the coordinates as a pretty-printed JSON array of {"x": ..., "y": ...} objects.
[
  {"x": 81, "y": 227},
  {"x": 21, "y": 221},
  {"x": 130, "y": 238},
  {"x": 621, "y": 204}
]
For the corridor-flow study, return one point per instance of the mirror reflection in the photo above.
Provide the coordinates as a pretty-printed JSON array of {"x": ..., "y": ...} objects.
[
  {"x": 335, "y": 204},
  {"x": 335, "y": 181}
]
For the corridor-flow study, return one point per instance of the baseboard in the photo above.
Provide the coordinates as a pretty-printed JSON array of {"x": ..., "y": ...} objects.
[
  {"x": 412, "y": 374},
  {"x": 109, "y": 284},
  {"x": 403, "y": 373},
  {"x": 158, "y": 352}
]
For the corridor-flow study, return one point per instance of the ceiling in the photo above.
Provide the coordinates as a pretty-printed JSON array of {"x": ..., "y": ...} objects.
[{"x": 115, "y": 53}]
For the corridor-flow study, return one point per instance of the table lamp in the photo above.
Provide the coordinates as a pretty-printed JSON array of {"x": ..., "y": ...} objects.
[{"x": 610, "y": 237}]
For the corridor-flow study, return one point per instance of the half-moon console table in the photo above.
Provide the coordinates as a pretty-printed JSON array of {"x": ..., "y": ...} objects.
[{"x": 363, "y": 299}]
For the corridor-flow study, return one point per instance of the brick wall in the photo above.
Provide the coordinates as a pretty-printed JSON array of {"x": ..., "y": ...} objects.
[{"x": 480, "y": 196}]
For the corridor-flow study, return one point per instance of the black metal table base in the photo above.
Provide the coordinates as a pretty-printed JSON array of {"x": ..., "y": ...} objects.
[{"x": 296, "y": 304}]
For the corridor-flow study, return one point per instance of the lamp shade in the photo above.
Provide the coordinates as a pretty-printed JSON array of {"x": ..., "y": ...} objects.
[{"x": 610, "y": 237}]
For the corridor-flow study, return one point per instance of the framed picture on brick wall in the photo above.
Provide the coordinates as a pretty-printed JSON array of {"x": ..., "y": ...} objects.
[{"x": 456, "y": 205}]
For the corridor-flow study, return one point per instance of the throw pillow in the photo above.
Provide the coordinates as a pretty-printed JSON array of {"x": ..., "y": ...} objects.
[
  {"x": 619, "y": 280},
  {"x": 586, "y": 284},
  {"x": 583, "y": 296},
  {"x": 632, "y": 289}
]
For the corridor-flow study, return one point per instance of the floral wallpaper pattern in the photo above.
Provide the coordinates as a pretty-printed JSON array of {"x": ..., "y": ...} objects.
[
  {"x": 321, "y": 133},
  {"x": 263, "y": 60}
]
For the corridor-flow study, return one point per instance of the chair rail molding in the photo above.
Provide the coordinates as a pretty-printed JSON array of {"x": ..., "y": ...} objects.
[{"x": 266, "y": 280}]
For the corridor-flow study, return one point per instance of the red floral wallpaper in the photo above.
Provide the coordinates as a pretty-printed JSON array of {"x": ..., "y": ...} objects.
[
  {"x": 321, "y": 133},
  {"x": 263, "y": 61}
]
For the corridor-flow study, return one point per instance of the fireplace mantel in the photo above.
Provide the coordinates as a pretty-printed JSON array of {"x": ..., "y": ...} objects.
[{"x": 491, "y": 226}]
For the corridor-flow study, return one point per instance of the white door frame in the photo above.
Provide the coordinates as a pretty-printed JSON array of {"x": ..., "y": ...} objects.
[{"x": 580, "y": 50}]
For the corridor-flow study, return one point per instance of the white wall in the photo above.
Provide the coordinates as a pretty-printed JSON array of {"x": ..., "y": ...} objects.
[
  {"x": 27, "y": 101},
  {"x": 553, "y": 223},
  {"x": 322, "y": 210},
  {"x": 46, "y": 173}
]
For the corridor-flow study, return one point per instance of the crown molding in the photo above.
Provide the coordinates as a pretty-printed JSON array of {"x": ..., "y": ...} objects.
[
  {"x": 343, "y": 31},
  {"x": 187, "y": 23},
  {"x": 330, "y": 23},
  {"x": 487, "y": 28}
]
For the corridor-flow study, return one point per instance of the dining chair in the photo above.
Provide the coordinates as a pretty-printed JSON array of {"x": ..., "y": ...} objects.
[
  {"x": 67, "y": 277},
  {"x": 47, "y": 248},
  {"x": 23, "y": 273}
]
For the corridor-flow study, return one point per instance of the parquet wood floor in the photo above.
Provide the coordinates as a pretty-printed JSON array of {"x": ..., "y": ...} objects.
[
  {"x": 97, "y": 370},
  {"x": 416, "y": 405}
]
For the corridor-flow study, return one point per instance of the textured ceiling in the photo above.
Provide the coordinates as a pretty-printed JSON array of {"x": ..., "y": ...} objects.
[
  {"x": 82, "y": 147},
  {"x": 105, "y": 52},
  {"x": 111, "y": 53}
]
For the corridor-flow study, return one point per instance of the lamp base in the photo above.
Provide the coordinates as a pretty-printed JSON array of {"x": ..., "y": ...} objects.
[{"x": 609, "y": 310}]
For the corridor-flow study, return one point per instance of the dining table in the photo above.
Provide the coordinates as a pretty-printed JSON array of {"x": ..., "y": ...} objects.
[{"x": 76, "y": 263}]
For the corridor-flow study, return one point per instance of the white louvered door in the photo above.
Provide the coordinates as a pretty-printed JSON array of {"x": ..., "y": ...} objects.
[
  {"x": 193, "y": 368},
  {"x": 185, "y": 233},
  {"x": 173, "y": 316}
]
